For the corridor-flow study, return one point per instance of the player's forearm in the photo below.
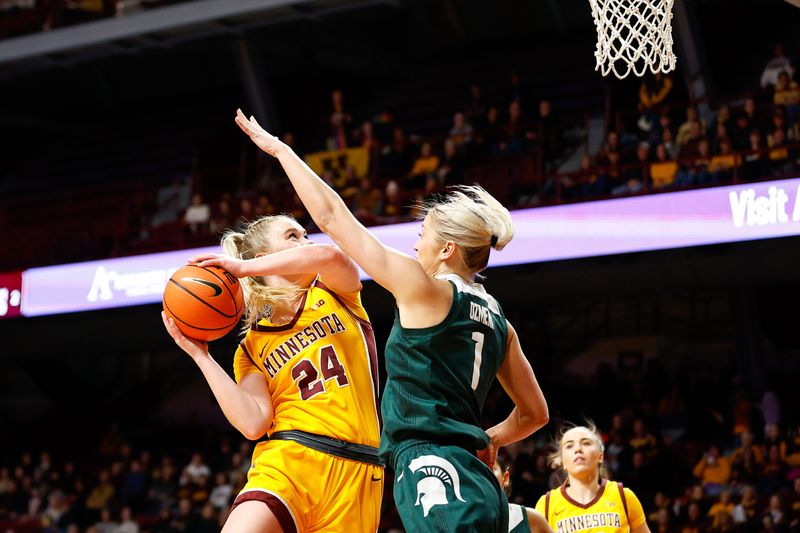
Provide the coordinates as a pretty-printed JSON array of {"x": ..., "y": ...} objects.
[
  {"x": 516, "y": 427},
  {"x": 239, "y": 407},
  {"x": 300, "y": 260},
  {"x": 323, "y": 203}
]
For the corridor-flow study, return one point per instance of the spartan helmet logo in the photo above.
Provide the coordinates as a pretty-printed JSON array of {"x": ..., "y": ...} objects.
[{"x": 432, "y": 489}]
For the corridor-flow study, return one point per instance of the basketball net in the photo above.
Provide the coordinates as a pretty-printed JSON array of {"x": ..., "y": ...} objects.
[{"x": 632, "y": 36}]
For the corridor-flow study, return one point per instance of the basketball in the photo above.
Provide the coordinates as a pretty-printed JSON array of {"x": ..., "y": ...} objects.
[{"x": 205, "y": 302}]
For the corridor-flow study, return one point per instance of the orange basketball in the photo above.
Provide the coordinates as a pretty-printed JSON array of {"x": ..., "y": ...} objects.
[{"x": 205, "y": 302}]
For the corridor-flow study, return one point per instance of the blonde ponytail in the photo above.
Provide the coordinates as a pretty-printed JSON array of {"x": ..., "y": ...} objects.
[
  {"x": 474, "y": 220},
  {"x": 259, "y": 298}
]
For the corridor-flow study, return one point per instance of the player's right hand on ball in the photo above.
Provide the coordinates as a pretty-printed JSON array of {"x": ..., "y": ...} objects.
[{"x": 231, "y": 264}]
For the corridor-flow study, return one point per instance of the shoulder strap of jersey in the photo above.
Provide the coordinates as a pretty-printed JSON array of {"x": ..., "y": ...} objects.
[
  {"x": 624, "y": 502},
  {"x": 547, "y": 506}
]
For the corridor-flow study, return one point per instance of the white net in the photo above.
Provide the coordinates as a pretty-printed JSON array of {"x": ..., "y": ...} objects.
[{"x": 632, "y": 36}]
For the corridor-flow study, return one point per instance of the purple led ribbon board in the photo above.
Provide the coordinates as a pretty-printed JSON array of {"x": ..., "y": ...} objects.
[{"x": 653, "y": 222}]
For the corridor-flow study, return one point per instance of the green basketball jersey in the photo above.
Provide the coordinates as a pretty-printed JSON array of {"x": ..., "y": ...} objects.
[
  {"x": 438, "y": 377},
  {"x": 518, "y": 519}
]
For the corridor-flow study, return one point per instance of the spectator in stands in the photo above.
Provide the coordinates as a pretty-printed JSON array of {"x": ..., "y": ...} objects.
[
  {"x": 610, "y": 173},
  {"x": 461, "y": 132},
  {"x": 197, "y": 216},
  {"x": 548, "y": 135},
  {"x": 754, "y": 161},
  {"x": 690, "y": 146},
  {"x": 617, "y": 451},
  {"x": 694, "y": 522},
  {"x": 664, "y": 124},
  {"x": 746, "y": 461},
  {"x": 741, "y": 130},
  {"x": 517, "y": 91},
  {"x": 164, "y": 486},
  {"x": 612, "y": 144},
  {"x": 775, "y": 513},
  {"x": 669, "y": 144},
  {"x": 182, "y": 517},
  {"x": 723, "y": 165},
  {"x": 222, "y": 492},
  {"x": 749, "y": 109},
  {"x": 393, "y": 210},
  {"x": 491, "y": 133},
  {"x": 635, "y": 178},
  {"x": 777, "y": 64},
  {"x": 368, "y": 141},
  {"x": 197, "y": 469},
  {"x": 395, "y": 158},
  {"x": 204, "y": 522},
  {"x": 57, "y": 514},
  {"x": 780, "y": 160},
  {"x": 653, "y": 94},
  {"x": 106, "y": 524},
  {"x": 298, "y": 212},
  {"x": 744, "y": 513},
  {"x": 476, "y": 108},
  {"x": 222, "y": 219},
  {"x": 641, "y": 438},
  {"x": 723, "y": 506},
  {"x": 723, "y": 117},
  {"x": 664, "y": 169},
  {"x": 713, "y": 471},
  {"x": 795, "y": 505},
  {"x": 426, "y": 164},
  {"x": 793, "y": 449},
  {"x": 102, "y": 493},
  {"x": 134, "y": 485},
  {"x": 787, "y": 95},
  {"x": 663, "y": 522},
  {"x": 773, "y": 473},
  {"x": 246, "y": 213},
  {"x": 127, "y": 524},
  {"x": 688, "y": 130},
  {"x": 719, "y": 135},
  {"x": 513, "y": 137},
  {"x": 451, "y": 172},
  {"x": 368, "y": 201},
  {"x": 347, "y": 183},
  {"x": 338, "y": 121},
  {"x": 660, "y": 502},
  {"x": 778, "y": 123},
  {"x": 263, "y": 206}
]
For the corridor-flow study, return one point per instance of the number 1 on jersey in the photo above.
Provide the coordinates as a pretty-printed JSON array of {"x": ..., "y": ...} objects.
[{"x": 476, "y": 368}]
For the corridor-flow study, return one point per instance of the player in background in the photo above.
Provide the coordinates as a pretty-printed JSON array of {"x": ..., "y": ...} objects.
[
  {"x": 588, "y": 501},
  {"x": 306, "y": 376},
  {"x": 521, "y": 519},
  {"x": 449, "y": 341}
]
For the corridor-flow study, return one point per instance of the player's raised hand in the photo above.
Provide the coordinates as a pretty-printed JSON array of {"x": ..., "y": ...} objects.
[
  {"x": 193, "y": 347},
  {"x": 263, "y": 139},
  {"x": 231, "y": 264}
]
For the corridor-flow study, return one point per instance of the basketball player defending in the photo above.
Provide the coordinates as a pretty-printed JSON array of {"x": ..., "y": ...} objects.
[
  {"x": 449, "y": 341},
  {"x": 306, "y": 377},
  {"x": 587, "y": 501}
]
